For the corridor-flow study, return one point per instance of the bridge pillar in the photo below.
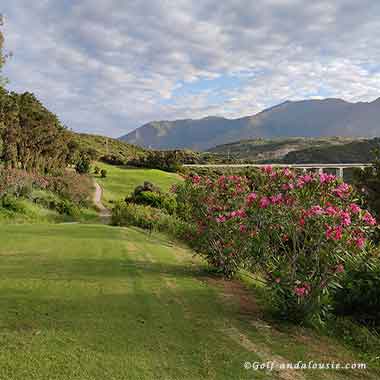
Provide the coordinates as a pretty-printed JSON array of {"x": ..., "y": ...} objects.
[{"x": 339, "y": 172}]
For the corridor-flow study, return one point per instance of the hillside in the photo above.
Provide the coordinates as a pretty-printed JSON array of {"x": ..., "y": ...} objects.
[
  {"x": 306, "y": 118},
  {"x": 108, "y": 147},
  {"x": 273, "y": 149},
  {"x": 355, "y": 151}
]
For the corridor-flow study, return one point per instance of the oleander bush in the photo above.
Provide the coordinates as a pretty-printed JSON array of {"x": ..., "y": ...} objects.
[{"x": 298, "y": 231}]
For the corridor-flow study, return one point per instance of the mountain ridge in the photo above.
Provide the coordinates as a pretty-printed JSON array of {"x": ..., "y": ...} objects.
[{"x": 301, "y": 118}]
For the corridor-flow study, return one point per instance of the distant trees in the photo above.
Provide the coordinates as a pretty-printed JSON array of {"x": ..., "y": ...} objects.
[{"x": 33, "y": 137}]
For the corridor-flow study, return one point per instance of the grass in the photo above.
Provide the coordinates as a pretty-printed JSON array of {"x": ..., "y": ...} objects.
[
  {"x": 99, "y": 302},
  {"x": 121, "y": 181},
  {"x": 29, "y": 213}
]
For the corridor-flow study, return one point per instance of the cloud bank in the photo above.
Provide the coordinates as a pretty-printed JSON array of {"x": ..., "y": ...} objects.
[{"x": 108, "y": 66}]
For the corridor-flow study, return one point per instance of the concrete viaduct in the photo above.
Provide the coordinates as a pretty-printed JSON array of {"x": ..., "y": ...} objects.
[{"x": 339, "y": 168}]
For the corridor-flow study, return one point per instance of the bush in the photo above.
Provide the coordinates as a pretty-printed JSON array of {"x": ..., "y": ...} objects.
[
  {"x": 151, "y": 195},
  {"x": 361, "y": 337},
  {"x": 103, "y": 173},
  {"x": 165, "y": 202},
  {"x": 359, "y": 294},
  {"x": 11, "y": 203},
  {"x": 298, "y": 231},
  {"x": 83, "y": 165},
  {"x": 149, "y": 218},
  {"x": 66, "y": 207},
  {"x": 96, "y": 170}
]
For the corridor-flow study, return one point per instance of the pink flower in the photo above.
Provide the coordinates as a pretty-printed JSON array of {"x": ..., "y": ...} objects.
[
  {"x": 360, "y": 242},
  {"x": 241, "y": 213},
  {"x": 326, "y": 178},
  {"x": 275, "y": 199},
  {"x": 354, "y": 208},
  {"x": 316, "y": 210},
  {"x": 287, "y": 186},
  {"x": 345, "y": 218},
  {"x": 334, "y": 233},
  {"x": 264, "y": 202},
  {"x": 302, "y": 291},
  {"x": 303, "y": 180},
  {"x": 267, "y": 169},
  {"x": 196, "y": 179},
  {"x": 220, "y": 219},
  {"x": 277, "y": 280},
  {"x": 339, "y": 268},
  {"x": 251, "y": 198},
  {"x": 331, "y": 211},
  {"x": 342, "y": 191},
  {"x": 242, "y": 228},
  {"x": 287, "y": 173},
  {"x": 369, "y": 219}
]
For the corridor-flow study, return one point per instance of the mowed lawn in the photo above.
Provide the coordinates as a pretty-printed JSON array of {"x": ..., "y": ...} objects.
[
  {"x": 121, "y": 181},
  {"x": 98, "y": 302}
]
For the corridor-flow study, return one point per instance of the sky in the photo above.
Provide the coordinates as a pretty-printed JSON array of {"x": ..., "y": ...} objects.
[{"x": 109, "y": 66}]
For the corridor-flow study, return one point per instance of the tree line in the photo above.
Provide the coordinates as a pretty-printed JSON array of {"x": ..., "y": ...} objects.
[{"x": 33, "y": 138}]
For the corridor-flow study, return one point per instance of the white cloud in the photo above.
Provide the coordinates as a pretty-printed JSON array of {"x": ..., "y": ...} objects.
[{"x": 108, "y": 65}]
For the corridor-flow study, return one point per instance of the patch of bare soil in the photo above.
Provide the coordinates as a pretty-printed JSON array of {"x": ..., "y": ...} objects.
[{"x": 232, "y": 292}]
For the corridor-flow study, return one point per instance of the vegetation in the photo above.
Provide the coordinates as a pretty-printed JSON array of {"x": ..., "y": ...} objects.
[
  {"x": 298, "y": 231},
  {"x": 275, "y": 149},
  {"x": 355, "y": 151},
  {"x": 97, "y": 302},
  {"x": 25, "y": 195},
  {"x": 108, "y": 150},
  {"x": 368, "y": 182},
  {"x": 121, "y": 181},
  {"x": 150, "y": 195},
  {"x": 32, "y": 136}
]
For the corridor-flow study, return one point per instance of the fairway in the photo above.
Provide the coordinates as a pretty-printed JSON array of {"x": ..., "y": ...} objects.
[
  {"x": 97, "y": 302},
  {"x": 121, "y": 181}
]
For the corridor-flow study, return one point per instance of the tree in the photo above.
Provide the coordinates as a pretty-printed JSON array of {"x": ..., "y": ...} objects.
[
  {"x": 33, "y": 137},
  {"x": 368, "y": 182},
  {"x": 83, "y": 165}
]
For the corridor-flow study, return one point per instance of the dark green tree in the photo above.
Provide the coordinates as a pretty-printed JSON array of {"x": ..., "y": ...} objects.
[{"x": 367, "y": 182}]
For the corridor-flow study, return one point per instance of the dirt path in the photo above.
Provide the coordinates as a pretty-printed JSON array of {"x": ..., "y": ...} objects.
[{"x": 104, "y": 212}]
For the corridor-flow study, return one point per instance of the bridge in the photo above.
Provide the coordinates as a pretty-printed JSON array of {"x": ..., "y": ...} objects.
[{"x": 339, "y": 168}]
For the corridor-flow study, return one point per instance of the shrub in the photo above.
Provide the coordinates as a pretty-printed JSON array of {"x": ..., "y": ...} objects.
[
  {"x": 96, "y": 170},
  {"x": 11, "y": 203},
  {"x": 359, "y": 293},
  {"x": 103, "y": 173},
  {"x": 298, "y": 231},
  {"x": 146, "y": 217},
  {"x": 66, "y": 207},
  {"x": 83, "y": 165},
  {"x": 165, "y": 202}
]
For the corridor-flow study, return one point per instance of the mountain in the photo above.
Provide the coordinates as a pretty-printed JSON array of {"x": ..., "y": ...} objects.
[{"x": 305, "y": 118}]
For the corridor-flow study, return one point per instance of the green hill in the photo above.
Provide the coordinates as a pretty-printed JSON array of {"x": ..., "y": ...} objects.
[
  {"x": 355, "y": 151},
  {"x": 108, "y": 148},
  {"x": 258, "y": 150}
]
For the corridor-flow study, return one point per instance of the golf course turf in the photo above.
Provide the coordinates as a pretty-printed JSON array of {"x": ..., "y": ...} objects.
[{"x": 99, "y": 302}]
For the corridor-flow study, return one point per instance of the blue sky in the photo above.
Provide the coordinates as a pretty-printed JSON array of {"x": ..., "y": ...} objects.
[{"x": 109, "y": 66}]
